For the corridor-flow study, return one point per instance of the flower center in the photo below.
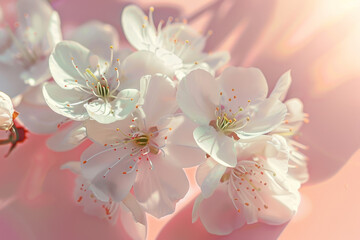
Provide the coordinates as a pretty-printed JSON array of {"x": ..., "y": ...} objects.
[
  {"x": 141, "y": 140},
  {"x": 98, "y": 82}
]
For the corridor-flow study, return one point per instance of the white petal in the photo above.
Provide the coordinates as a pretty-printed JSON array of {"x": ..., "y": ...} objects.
[
  {"x": 36, "y": 14},
  {"x": 107, "y": 134},
  {"x": 36, "y": 114},
  {"x": 132, "y": 20},
  {"x": 181, "y": 145},
  {"x": 216, "y": 60},
  {"x": 67, "y": 138},
  {"x": 96, "y": 161},
  {"x": 244, "y": 83},
  {"x": 217, "y": 145},
  {"x": 100, "y": 111},
  {"x": 6, "y": 112},
  {"x": 125, "y": 103},
  {"x": 159, "y": 189},
  {"x": 182, "y": 32},
  {"x": 54, "y": 35},
  {"x": 139, "y": 64},
  {"x": 208, "y": 176},
  {"x": 264, "y": 117},
  {"x": 159, "y": 99},
  {"x": 58, "y": 100},
  {"x": 98, "y": 37},
  {"x": 198, "y": 96},
  {"x": 61, "y": 65},
  {"x": 282, "y": 86}
]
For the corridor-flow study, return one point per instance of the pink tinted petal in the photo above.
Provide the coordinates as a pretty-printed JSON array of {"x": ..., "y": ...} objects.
[
  {"x": 109, "y": 172},
  {"x": 36, "y": 115},
  {"x": 160, "y": 188},
  {"x": 159, "y": 99},
  {"x": 67, "y": 138},
  {"x": 217, "y": 213}
]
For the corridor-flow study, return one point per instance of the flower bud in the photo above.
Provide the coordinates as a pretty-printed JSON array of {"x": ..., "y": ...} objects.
[{"x": 7, "y": 113}]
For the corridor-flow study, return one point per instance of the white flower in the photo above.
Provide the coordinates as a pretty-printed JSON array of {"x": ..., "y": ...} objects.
[
  {"x": 257, "y": 189},
  {"x": 293, "y": 121},
  {"x": 24, "y": 54},
  {"x": 88, "y": 86},
  {"x": 147, "y": 154},
  {"x": 232, "y": 107},
  {"x": 177, "y": 43},
  {"x": 7, "y": 113},
  {"x": 132, "y": 215}
]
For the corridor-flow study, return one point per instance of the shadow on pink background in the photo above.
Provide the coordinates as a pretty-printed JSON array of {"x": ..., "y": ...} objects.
[{"x": 319, "y": 40}]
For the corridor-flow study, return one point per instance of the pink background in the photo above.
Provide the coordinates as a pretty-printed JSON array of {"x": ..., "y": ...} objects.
[{"x": 319, "y": 40}]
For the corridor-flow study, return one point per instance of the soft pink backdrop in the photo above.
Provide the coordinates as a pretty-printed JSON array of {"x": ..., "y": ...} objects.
[{"x": 319, "y": 40}]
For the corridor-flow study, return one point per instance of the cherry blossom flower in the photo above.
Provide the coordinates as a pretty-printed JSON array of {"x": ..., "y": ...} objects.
[
  {"x": 232, "y": 107},
  {"x": 177, "y": 44},
  {"x": 88, "y": 86},
  {"x": 7, "y": 112},
  {"x": 24, "y": 52},
  {"x": 257, "y": 189},
  {"x": 145, "y": 151}
]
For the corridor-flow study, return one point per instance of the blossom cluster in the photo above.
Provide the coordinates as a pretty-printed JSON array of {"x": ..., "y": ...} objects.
[{"x": 151, "y": 111}]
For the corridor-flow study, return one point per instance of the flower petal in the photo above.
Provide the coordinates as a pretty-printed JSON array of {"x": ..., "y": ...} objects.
[
  {"x": 98, "y": 37},
  {"x": 198, "y": 96},
  {"x": 181, "y": 145},
  {"x": 243, "y": 84},
  {"x": 264, "y": 117},
  {"x": 67, "y": 138},
  {"x": 36, "y": 114},
  {"x": 282, "y": 86},
  {"x": 208, "y": 176},
  {"x": 62, "y": 67},
  {"x": 65, "y": 102},
  {"x": 222, "y": 219},
  {"x": 139, "y": 64},
  {"x": 132, "y": 210},
  {"x": 159, "y": 99},
  {"x": 96, "y": 161},
  {"x": 107, "y": 134},
  {"x": 159, "y": 189},
  {"x": 217, "y": 145},
  {"x": 216, "y": 60}
]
